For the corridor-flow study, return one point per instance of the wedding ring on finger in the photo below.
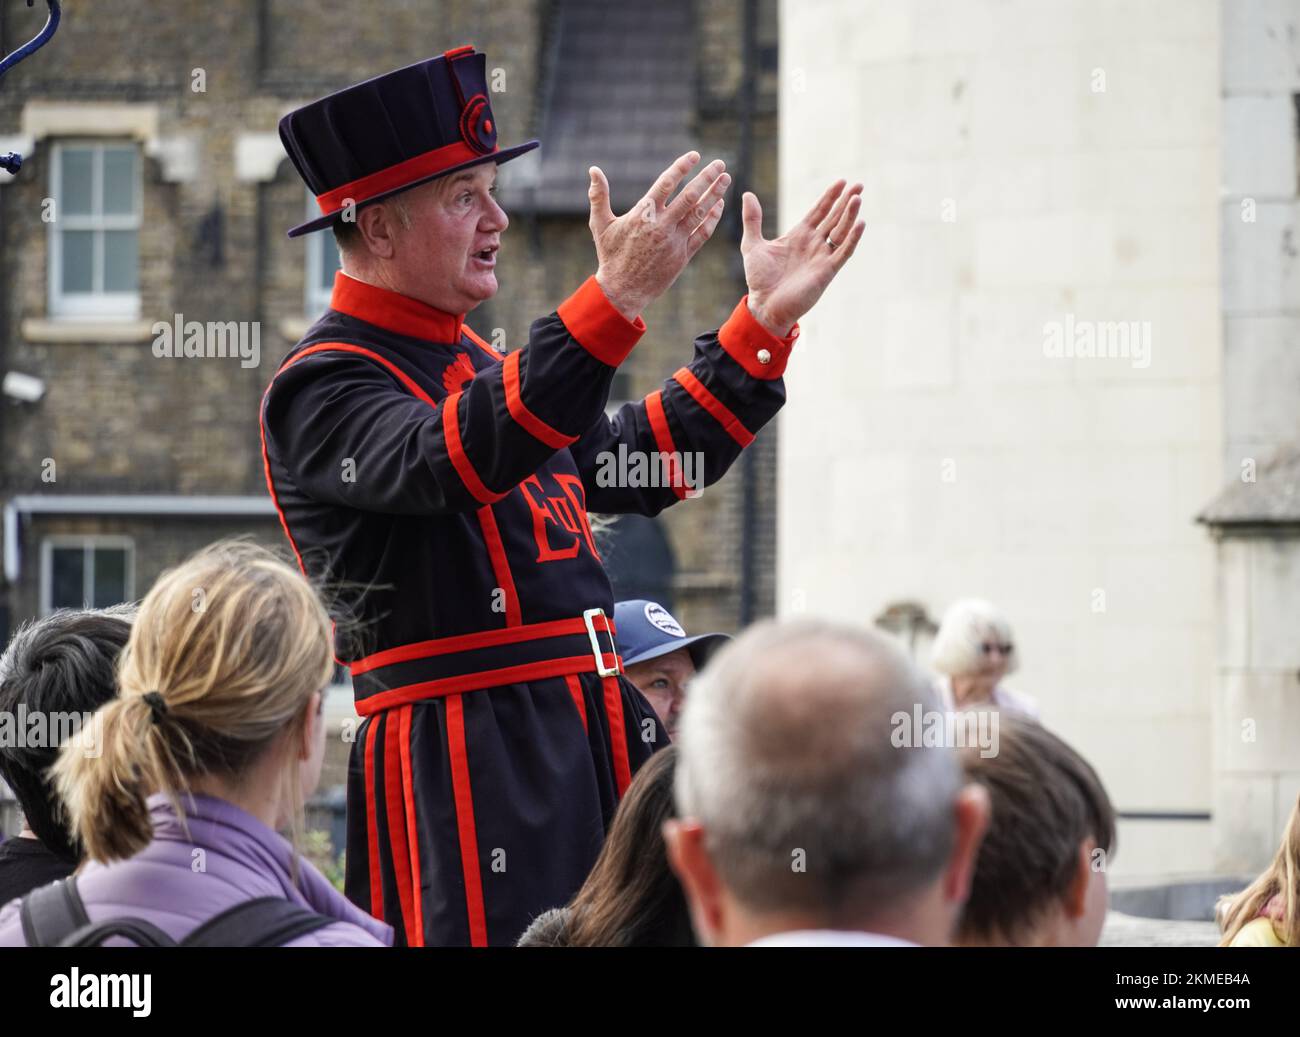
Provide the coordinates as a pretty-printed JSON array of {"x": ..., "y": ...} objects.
[{"x": 831, "y": 245}]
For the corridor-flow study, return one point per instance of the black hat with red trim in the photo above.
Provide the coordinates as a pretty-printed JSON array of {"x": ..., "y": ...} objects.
[{"x": 394, "y": 132}]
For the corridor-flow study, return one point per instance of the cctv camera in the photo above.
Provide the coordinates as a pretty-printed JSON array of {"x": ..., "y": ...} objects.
[{"x": 23, "y": 387}]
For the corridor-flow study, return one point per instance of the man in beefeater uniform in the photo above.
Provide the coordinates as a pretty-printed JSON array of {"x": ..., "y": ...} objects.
[{"x": 404, "y": 454}]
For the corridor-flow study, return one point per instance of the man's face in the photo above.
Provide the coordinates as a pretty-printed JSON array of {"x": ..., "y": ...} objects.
[
  {"x": 663, "y": 682},
  {"x": 456, "y": 226}
]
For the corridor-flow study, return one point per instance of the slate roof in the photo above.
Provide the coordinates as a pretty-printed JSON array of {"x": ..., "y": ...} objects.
[{"x": 619, "y": 93}]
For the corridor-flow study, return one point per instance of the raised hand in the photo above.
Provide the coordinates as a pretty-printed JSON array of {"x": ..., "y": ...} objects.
[
  {"x": 642, "y": 252},
  {"x": 787, "y": 275}
]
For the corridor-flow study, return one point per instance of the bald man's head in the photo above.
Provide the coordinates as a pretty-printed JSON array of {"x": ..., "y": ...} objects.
[{"x": 787, "y": 762}]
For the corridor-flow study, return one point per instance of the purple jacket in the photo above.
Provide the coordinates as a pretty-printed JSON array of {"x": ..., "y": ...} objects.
[{"x": 241, "y": 859}]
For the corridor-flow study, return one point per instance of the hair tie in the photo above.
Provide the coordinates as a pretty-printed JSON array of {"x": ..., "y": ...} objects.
[{"x": 157, "y": 706}]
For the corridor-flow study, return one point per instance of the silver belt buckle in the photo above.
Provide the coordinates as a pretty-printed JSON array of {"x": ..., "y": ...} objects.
[{"x": 601, "y": 668}]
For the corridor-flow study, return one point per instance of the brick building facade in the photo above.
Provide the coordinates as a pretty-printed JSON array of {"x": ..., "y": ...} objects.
[{"x": 153, "y": 129}]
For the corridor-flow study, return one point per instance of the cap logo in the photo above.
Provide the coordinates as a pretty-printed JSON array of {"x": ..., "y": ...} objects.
[{"x": 661, "y": 619}]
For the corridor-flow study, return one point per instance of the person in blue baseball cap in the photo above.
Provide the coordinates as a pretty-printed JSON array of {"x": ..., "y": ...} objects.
[{"x": 658, "y": 656}]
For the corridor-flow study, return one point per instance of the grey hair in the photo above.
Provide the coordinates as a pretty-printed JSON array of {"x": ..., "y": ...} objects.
[
  {"x": 966, "y": 625},
  {"x": 346, "y": 235},
  {"x": 60, "y": 665},
  {"x": 30, "y": 638},
  {"x": 403, "y": 211},
  {"x": 786, "y": 760},
  {"x": 602, "y": 529}
]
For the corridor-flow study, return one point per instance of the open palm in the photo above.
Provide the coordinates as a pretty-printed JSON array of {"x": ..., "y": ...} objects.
[{"x": 787, "y": 275}]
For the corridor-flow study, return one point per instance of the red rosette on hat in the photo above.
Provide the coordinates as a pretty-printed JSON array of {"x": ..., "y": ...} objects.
[{"x": 477, "y": 126}]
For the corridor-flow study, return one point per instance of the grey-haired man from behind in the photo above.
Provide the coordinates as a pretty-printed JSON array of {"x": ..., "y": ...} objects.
[{"x": 800, "y": 822}]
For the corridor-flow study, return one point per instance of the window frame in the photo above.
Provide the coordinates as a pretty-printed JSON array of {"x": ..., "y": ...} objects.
[
  {"x": 89, "y": 543},
  {"x": 316, "y": 300},
  {"x": 121, "y": 305}
]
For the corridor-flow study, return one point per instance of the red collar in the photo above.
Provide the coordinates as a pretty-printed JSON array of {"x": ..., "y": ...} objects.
[{"x": 399, "y": 313}]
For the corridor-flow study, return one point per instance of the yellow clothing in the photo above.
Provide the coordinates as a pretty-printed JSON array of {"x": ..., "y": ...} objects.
[{"x": 1257, "y": 933}]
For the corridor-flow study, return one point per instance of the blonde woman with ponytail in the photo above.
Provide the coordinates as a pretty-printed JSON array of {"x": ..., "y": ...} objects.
[{"x": 213, "y": 744}]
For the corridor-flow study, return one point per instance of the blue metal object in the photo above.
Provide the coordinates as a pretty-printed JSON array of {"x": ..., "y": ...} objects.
[{"x": 13, "y": 162}]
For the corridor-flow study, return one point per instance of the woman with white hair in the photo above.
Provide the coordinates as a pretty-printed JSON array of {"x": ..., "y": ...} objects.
[{"x": 973, "y": 651}]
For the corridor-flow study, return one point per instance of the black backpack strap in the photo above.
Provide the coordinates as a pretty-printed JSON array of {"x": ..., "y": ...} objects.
[
  {"x": 54, "y": 916},
  {"x": 52, "y": 913},
  {"x": 264, "y": 922},
  {"x": 137, "y": 930}
]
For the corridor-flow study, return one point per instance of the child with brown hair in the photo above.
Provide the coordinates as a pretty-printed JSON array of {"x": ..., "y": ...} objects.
[{"x": 1040, "y": 876}]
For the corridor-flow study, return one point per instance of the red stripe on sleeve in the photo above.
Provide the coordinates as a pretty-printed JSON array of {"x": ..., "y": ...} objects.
[
  {"x": 526, "y": 419},
  {"x": 450, "y": 414},
  {"x": 654, "y": 408},
  {"x": 464, "y": 798},
  {"x": 700, "y": 393},
  {"x": 456, "y": 451}
]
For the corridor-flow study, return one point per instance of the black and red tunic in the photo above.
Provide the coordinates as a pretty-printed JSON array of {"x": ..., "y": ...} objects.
[{"x": 444, "y": 488}]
